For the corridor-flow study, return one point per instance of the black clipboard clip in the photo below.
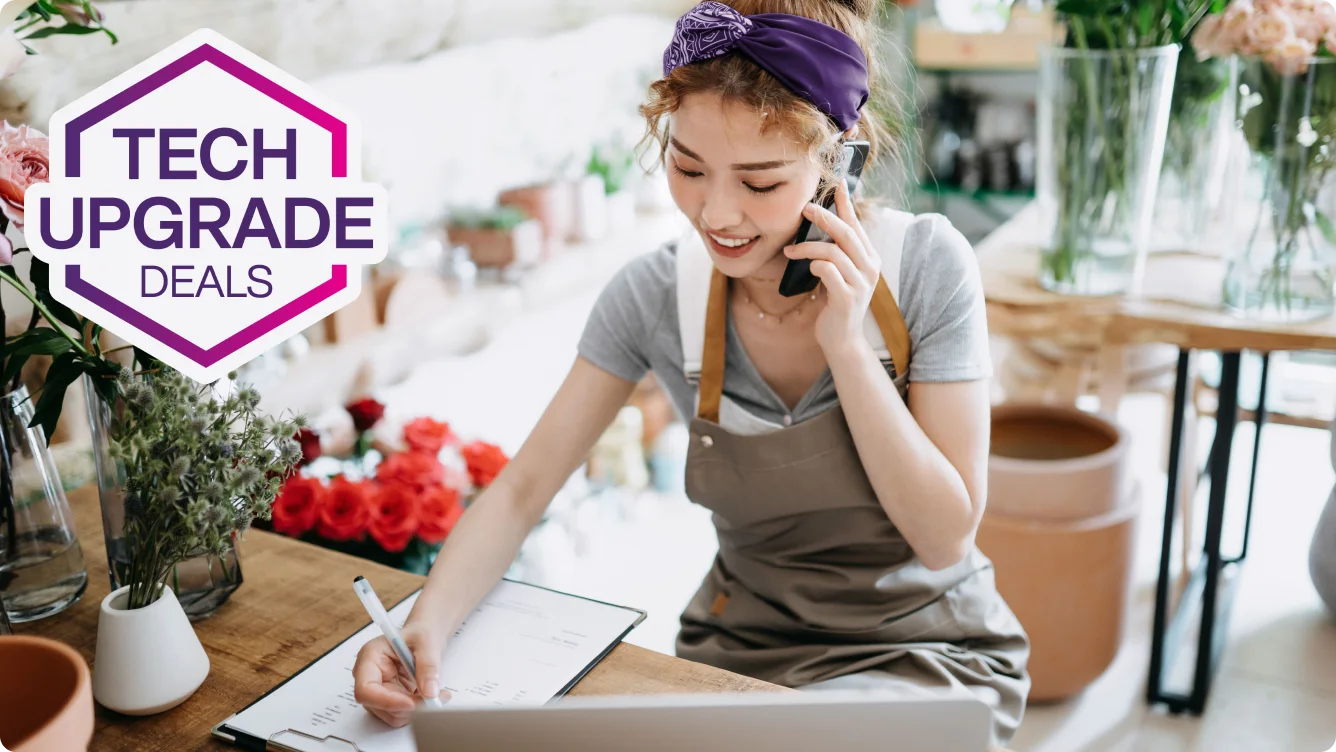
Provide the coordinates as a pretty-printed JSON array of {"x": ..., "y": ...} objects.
[{"x": 249, "y": 742}]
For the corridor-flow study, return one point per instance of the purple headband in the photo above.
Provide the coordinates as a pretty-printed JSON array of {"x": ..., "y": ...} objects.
[{"x": 817, "y": 62}]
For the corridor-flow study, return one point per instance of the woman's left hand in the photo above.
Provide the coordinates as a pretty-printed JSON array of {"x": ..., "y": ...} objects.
[{"x": 849, "y": 268}]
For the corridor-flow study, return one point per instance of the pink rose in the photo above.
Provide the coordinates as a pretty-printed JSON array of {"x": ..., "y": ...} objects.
[
  {"x": 1268, "y": 31},
  {"x": 6, "y": 251},
  {"x": 24, "y": 160},
  {"x": 1330, "y": 41},
  {"x": 1206, "y": 39},
  {"x": 1234, "y": 25},
  {"x": 1291, "y": 56}
]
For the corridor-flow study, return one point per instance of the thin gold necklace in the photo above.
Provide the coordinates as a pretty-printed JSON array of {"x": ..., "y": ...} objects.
[{"x": 778, "y": 318}]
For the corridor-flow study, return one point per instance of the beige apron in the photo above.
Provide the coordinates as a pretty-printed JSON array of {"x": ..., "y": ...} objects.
[{"x": 812, "y": 580}]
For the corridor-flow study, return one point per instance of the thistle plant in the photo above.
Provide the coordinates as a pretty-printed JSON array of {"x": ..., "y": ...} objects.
[{"x": 198, "y": 470}]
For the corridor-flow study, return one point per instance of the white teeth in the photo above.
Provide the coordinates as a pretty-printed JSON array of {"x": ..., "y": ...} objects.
[{"x": 730, "y": 242}]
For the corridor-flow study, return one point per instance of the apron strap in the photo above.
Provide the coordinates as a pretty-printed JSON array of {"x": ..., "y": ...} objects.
[
  {"x": 883, "y": 306},
  {"x": 712, "y": 355}
]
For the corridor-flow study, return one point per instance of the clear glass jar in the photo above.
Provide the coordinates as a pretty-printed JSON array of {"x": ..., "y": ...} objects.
[
  {"x": 1102, "y": 116},
  {"x": 1282, "y": 262},
  {"x": 203, "y": 583},
  {"x": 1192, "y": 186},
  {"x": 41, "y": 563}
]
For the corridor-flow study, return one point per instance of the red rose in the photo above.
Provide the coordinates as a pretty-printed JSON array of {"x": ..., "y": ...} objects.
[
  {"x": 394, "y": 519},
  {"x": 310, "y": 443},
  {"x": 346, "y": 510},
  {"x": 439, "y": 509},
  {"x": 484, "y": 462},
  {"x": 427, "y": 435},
  {"x": 297, "y": 505},
  {"x": 366, "y": 413},
  {"x": 415, "y": 470}
]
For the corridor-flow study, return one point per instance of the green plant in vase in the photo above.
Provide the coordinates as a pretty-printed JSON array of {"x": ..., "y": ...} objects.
[
  {"x": 199, "y": 470},
  {"x": 1283, "y": 262},
  {"x": 1103, "y": 114}
]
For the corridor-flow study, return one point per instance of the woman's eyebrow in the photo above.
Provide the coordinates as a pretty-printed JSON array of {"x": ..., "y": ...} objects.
[{"x": 743, "y": 167}]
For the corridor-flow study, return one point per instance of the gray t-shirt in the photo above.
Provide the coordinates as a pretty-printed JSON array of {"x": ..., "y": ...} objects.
[{"x": 633, "y": 328}]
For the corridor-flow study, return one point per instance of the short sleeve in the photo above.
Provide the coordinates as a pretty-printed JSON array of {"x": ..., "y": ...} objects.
[
  {"x": 618, "y": 335},
  {"x": 943, "y": 303}
]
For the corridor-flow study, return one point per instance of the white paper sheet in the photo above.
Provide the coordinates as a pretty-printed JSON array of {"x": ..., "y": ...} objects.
[{"x": 521, "y": 646}]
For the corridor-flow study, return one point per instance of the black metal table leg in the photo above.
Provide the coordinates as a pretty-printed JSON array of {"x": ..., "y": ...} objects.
[
  {"x": 1259, "y": 420},
  {"x": 1204, "y": 584}
]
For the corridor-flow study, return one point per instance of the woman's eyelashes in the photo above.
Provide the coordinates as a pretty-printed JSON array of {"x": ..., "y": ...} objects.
[
  {"x": 684, "y": 173},
  {"x": 753, "y": 188}
]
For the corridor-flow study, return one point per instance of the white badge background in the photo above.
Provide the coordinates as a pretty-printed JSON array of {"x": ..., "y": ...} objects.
[{"x": 205, "y": 98}]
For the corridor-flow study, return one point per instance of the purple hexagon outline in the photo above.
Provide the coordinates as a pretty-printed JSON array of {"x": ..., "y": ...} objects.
[{"x": 207, "y": 53}]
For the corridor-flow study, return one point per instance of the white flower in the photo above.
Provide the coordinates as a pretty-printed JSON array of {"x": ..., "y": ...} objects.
[
  {"x": 12, "y": 54},
  {"x": 1306, "y": 135},
  {"x": 1248, "y": 99}
]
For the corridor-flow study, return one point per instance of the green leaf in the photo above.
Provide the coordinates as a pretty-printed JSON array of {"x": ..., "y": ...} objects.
[
  {"x": 1324, "y": 225},
  {"x": 68, "y": 28},
  {"x": 40, "y": 274},
  {"x": 97, "y": 338},
  {"x": 41, "y": 341},
  {"x": 1145, "y": 17},
  {"x": 1083, "y": 7},
  {"x": 144, "y": 361},
  {"x": 64, "y": 370}
]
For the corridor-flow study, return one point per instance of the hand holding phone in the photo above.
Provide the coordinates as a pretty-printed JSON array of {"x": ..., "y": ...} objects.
[{"x": 798, "y": 278}]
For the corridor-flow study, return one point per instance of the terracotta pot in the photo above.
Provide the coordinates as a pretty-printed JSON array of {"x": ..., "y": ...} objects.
[
  {"x": 51, "y": 709},
  {"x": 1068, "y": 583},
  {"x": 520, "y": 246},
  {"x": 1052, "y": 462},
  {"x": 552, "y": 204}
]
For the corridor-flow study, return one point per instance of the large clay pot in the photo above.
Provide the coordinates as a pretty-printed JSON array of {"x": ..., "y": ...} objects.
[
  {"x": 46, "y": 696},
  {"x": 1053, "y": 462},
  {"x": 1068, "y": 583}
]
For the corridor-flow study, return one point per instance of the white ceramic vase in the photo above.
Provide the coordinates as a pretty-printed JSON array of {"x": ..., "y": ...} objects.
[{"x": 148, "y": 659}]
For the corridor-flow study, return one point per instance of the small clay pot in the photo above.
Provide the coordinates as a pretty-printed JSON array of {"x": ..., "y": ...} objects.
[
  {"x": 1068, "y": 582},
  {"x": 1052, "y": 462},
  {"x": 46, "y": 696}
]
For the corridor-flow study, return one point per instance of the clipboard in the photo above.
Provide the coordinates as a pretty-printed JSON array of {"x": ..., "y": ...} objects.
[{"x": 282, "y": 740}]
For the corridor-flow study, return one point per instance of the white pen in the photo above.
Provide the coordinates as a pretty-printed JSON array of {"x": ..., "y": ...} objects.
[{"x": 382, "y": 619}]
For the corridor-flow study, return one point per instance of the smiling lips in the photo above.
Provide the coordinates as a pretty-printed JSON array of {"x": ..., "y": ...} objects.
[{"x": 731, "y": 247}]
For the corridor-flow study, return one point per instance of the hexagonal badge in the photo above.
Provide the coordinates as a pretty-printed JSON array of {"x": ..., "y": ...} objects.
[{"x": 205, "y": 206}]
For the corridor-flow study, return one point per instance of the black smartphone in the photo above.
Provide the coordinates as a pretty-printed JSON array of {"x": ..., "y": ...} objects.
[{"x": 798, "y": 278}]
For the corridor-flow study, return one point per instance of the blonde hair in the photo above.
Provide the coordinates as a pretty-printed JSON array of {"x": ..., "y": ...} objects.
[{"x": 738, "y": 80}]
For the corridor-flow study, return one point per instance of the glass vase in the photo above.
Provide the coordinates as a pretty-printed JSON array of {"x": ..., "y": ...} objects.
[
  {"x": 1102, "y": 116},
  {"x": 1282, "y": 260},
  {"x": 41, "y": 563},
  {"x": 1188, "y": 202},
  {"x": 202, "y": 583}
]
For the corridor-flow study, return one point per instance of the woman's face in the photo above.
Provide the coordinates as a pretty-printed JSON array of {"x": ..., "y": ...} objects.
[{"x": 742, "y": 189}]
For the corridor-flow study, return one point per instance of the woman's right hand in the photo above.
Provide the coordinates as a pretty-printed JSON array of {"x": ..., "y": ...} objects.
[{"x": 385, "y": 688}]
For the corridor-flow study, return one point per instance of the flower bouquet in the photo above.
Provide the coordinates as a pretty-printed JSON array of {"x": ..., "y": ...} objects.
[
  {"x": 1283, "y": 261},
  {"x": 391, "y": 503}
]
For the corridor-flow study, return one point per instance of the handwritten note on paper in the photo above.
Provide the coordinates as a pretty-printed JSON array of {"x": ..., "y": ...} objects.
[{"x": 522, "y": 646}]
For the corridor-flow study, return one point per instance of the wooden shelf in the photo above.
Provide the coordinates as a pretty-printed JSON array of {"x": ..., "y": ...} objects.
[{"x": 1016, "y": 48}]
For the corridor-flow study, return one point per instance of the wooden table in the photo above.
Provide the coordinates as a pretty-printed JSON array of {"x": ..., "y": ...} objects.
[
  {"x": 1178, "y": 304},
  {"x": 295, "y": 604}
]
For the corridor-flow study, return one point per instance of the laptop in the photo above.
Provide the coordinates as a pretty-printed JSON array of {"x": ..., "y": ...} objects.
[{"x": 847, "y": 720}]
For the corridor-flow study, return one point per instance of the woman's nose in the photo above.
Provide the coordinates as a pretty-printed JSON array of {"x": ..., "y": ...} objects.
[{"x": 720, "y": 211}]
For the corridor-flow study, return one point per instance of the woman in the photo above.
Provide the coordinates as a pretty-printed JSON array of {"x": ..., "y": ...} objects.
[{"x": 846, "y": 503}]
